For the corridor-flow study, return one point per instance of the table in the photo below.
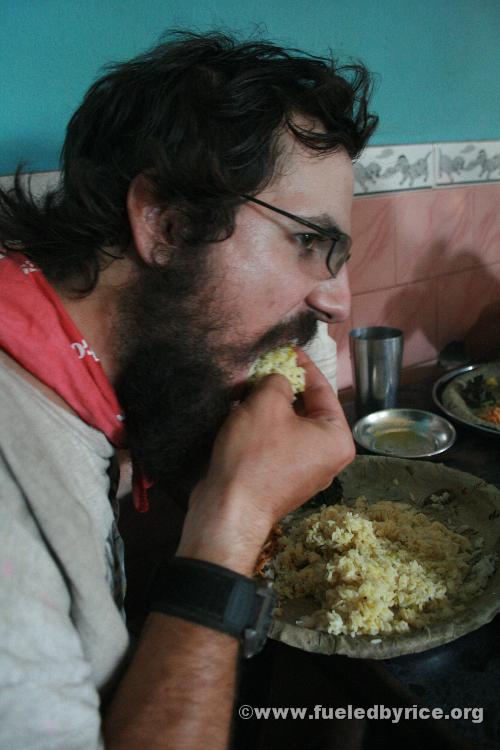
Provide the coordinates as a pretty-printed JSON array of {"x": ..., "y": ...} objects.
[{"x": 464, "y": 673}]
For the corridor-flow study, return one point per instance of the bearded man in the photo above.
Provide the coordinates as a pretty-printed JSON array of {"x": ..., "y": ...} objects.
[{"x": 202, "y": 218}]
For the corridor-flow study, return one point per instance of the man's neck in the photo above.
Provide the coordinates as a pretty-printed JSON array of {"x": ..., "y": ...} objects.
[
  {"x": 95, "y": 313},
  {"x": 94, "y": 317}
]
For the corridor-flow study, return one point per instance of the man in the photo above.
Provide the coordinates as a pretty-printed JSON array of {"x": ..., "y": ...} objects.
[{"x": 202, "y": 219}]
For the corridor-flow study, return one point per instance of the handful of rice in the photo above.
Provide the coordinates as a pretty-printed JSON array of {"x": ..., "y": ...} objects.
[
  {"x": 381, "y": 568},
  {"x": 282, "y": 360}
]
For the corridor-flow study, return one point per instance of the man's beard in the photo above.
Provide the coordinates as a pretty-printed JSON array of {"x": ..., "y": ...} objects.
[{"x": 174, "y": 378}]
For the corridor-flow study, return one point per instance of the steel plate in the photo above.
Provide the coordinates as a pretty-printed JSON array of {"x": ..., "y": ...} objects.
[
  {"x": 438, "y": 389},
  {"x": 404, "y": 433}
]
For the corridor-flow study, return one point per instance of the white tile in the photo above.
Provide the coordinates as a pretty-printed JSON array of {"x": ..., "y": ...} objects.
[
  {"x": 475, "y": 161},
  {"x": 40, "y": 181},
  {"x": 400, "y": 167}
]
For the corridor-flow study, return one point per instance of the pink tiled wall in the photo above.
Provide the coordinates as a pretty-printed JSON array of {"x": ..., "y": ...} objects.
[{"x": 425, "y": 261}]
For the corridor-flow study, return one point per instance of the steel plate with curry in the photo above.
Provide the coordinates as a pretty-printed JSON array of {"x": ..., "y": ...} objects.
[{"x": 475, "y": 396}]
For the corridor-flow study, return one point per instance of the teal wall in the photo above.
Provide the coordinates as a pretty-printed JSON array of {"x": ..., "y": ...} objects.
[{"x": 438, "y": 60}]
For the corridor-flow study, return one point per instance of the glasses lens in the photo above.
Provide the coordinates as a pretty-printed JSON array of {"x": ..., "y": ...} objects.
[{"x": 339, "y": 254}]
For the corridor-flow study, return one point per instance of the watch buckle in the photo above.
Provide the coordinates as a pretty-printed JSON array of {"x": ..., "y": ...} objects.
[{"x": 255, "y": 637}]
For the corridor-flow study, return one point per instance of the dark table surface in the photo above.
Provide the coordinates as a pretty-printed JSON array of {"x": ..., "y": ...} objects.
[
  {"x": 465, "y": 672},
  {"x": 461, "y": 674}
]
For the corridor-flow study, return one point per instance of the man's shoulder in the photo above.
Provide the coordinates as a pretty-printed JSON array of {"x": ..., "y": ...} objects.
[
  {"x": 27, "y": 410},
  {"x": 56, "y": 460},
  {"x": 57, "y": 528}
]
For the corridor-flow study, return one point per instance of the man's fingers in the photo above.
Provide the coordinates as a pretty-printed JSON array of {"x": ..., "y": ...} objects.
[
  {"x": 319, "y": 401},
  {"x": 272, "y": 386},
  {"x": 319, "y": 397}
]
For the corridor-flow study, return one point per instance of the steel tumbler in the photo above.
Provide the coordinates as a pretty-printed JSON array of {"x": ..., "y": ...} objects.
[{"x": 376, "y": 355}]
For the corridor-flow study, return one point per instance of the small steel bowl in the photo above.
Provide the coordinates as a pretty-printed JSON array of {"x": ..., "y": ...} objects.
[{"x": 404, "y": 433}]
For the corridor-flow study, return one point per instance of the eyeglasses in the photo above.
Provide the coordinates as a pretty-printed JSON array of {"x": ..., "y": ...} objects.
[{"x": 332, "y": 245}]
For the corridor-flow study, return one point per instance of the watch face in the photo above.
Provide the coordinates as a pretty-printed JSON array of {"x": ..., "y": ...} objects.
[{"x": 254, "y": 638}]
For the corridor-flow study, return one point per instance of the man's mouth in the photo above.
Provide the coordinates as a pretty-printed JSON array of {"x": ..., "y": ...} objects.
[{"x": 297, "y": 332}]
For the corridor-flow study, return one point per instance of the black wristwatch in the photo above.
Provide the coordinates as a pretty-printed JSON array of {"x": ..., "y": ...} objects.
[{"x": 215, "y": 597}]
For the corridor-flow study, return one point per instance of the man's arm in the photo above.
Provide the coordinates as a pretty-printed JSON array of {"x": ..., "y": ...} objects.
[
  {"x": 178, "y": 692},
  {"x": 267, "y": 460}
]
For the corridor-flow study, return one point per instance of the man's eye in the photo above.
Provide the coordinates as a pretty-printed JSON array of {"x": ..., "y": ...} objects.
[
  {"x": 314, "y": 243},
  {"x": 309, "y": 241}
]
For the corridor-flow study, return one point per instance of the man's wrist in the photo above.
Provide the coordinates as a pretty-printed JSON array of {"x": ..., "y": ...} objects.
[
  {"x": 229, "y": 555},
  {"x": 215, "y": 597},
  {"x": 229, "y": 535}
]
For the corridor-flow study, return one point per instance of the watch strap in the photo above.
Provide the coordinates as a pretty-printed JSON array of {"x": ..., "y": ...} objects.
[{"x": 206, "y": 594}]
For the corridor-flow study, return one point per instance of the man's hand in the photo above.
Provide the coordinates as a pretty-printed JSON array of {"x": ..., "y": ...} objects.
[{"x": 271, "y": 455}]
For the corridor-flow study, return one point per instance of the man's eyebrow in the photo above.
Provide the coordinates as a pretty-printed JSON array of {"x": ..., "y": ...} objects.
[{"x": 325, "y": 222}]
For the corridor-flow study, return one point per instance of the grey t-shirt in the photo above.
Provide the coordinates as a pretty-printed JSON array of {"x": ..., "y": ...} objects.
[{"x": 62, "y": 633}]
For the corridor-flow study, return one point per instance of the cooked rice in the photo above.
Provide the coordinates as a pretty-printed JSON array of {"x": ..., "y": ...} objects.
[
  {"x": 380, "y": 568},
  {"x": 282, "y": 360}
]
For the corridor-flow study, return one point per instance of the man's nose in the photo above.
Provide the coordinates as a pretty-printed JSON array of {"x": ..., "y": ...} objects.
[{"x": 330, "y": 300}]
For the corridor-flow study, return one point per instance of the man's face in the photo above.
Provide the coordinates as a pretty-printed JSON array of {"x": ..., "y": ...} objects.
[
  {"x": 262, "y": 277},
  {"x": 189, "y": 332}
]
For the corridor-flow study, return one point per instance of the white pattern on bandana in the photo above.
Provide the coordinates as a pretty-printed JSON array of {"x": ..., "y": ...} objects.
[{"x": 83, "y": 348}]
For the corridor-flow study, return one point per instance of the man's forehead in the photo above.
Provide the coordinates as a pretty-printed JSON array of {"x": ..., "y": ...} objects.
[
  {"x": 315, "y": 186},
  {"x": 295, "y": 158}
]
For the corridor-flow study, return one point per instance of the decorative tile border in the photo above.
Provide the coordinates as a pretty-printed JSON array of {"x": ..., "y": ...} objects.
[
  {"x": 466, "y": 162},
  {"x": 382, "y": 169}
]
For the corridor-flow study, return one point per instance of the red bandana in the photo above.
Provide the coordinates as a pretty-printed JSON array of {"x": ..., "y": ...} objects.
[{"x": 38, "y": 333}]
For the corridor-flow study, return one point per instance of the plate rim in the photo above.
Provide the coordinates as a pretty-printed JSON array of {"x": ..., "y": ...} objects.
[{"x": 358, "y": 439}]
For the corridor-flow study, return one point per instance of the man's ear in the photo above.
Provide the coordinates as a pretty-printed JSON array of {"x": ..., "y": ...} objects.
[{"x": 147, "y": 222}]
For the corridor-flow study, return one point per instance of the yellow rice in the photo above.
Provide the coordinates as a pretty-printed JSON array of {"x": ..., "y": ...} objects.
[
  {"x": 380, "y": 568},
  {"x": 282, "y": 360}
]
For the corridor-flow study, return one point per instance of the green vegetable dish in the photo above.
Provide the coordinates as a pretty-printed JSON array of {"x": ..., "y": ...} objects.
[{"x": 475, "y": 396}]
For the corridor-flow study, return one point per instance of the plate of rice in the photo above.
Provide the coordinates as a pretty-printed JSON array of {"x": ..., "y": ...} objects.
[{"x": 407, "y": 560}]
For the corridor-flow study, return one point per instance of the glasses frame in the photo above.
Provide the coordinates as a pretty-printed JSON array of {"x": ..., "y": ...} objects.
[{"x": 334, "y": 235}]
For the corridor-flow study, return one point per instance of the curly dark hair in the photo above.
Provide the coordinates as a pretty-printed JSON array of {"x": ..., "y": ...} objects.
[{"x": 201, "y": 116}]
